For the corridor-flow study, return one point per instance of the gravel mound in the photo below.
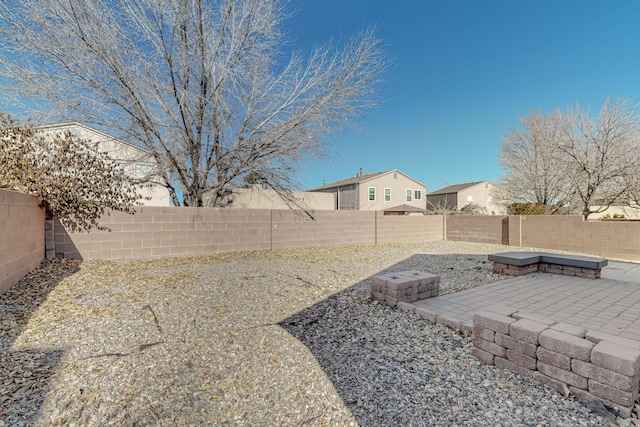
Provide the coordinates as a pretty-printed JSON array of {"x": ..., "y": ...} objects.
[{"x": 258, "y": 338}]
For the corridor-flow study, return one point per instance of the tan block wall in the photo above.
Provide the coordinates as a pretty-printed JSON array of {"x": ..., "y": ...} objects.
[
  {"x": 21, "y": 236},
  {"x": 294, "y": 229},
  {"x": 408, "y": 228},
  {"x": 609, "y": 239},
  {"x": 158, "y": 231},
  {"x": 484, "y": 229},
  {"x": 168, "y": 231}
]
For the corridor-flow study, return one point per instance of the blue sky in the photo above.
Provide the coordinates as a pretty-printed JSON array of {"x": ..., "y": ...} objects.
[{"x": 463, "y": 72}]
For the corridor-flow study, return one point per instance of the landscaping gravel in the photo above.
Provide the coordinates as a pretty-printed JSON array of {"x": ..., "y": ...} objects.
[{"x": 257, "y": 338}]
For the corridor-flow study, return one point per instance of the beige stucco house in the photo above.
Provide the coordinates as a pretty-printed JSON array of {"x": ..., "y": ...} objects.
[
  {"x": 391, "y": 191},
  {"x": 630, "y": 211},
  {"x": 130, "y": 159},
  {"x": 488, "y": 197},
  {"x": 257, "y": 197}
]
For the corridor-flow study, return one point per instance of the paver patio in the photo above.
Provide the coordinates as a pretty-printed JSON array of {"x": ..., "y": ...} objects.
[{"x": 610, "y": 304}]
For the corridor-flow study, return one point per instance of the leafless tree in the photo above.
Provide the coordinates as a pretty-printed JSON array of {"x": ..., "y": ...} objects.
[
  {"x": 573, "y": 160},
  {"x": 207, "y": 86},
  {"x": 534, "y": 166},
  {"x": 604, "y": 154},
  {"x": 441, "y": 205}
]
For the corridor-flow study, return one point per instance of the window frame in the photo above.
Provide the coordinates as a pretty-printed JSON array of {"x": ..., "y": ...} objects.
[
  {"x": 372, "y": 194},
  {"x": 417, "y": 194},
  {"x": 144, "y": 170},
  {"x": 387, "y": 190},
  {"x": 409, "y": 193}
]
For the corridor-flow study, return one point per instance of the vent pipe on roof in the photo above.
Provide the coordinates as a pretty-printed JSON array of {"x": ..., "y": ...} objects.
[{"x": 360, "y": 172}]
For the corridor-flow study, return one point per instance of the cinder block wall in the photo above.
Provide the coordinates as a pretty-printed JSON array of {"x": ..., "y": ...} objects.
[
  {"x": 22, "y": 236},
  {"x": 170, "y": 231},
  {"x": 295, "y": 229},
  {"x": 609, "y": 239},
  {"x": 408, "y": 228},
  {"x": 483, "y": 229}
]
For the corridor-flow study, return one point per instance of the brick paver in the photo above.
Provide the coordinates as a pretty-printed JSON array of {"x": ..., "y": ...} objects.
[{"x": 606, "y": 305}]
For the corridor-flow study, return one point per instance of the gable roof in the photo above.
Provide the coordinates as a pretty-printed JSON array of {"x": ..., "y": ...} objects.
[
  {"x": 68, "y": 125},
  {"x": 454, "y": 188},
  {"x": 362, "y": 178}
]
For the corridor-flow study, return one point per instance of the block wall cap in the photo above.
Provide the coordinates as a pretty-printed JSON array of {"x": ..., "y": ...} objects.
[
  {"x": 574, "y": 261},
  {"x": 516, "y": 258}
]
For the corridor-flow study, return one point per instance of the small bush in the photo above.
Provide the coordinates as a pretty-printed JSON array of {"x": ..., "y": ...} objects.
[{"x": 527, "y": 209}]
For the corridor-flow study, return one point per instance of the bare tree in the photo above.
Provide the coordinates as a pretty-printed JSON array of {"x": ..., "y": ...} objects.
[
  {"x": 441, "y": 205},
  {"x": 204, "y": 85},
  {"x": 572, "y": 160},
  {"x": 604, "y": 154},
  {"x": 534, "y": 166}
]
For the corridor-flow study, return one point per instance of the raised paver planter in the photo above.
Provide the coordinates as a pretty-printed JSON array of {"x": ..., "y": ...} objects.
[
  {"x": 589, "y": 365},
  {"x": 519, "y": 263},
  {"x": 404, "y": 287}
]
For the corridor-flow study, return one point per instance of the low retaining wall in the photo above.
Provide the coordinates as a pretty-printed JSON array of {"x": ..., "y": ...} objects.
[
  {"x": 545, "y": 267},
  {"x": 589, "y": 365},
  {"x": 404, "y": 287}
]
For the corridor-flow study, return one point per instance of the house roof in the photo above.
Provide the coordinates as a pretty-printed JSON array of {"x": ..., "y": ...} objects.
[
  {"x": 454, "y": 188},
  {"x": 68, "y": 125},
  {"x": 405, "y": 208},
  {"x": 362, "y": 178}
]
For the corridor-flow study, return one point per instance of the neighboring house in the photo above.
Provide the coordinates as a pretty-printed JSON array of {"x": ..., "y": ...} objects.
[
  {"x": 380, "y": 191},
  {"x": 257, "y": 197},
  {"x": 130, "y": 159},
  {"x": 488, "y": 197},
  {"x": 630, "y": 211}
]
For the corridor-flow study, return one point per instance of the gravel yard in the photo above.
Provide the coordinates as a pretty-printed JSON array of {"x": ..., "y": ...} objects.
[{"x": 258, "y": 338}]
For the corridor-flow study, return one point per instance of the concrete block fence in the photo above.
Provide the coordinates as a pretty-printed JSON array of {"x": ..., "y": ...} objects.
[
  {"x": 167, "y": 231},
  {"x": 171, "y": 231},
  {"x": 607, "y": 239},
  {"x": 587, "y": 364},
  {"x": 21, "y": 236}
]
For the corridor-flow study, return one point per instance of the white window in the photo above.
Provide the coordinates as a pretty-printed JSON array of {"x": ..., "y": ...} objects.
[
  {"x": 409, "y": 193},
  {"x": 372, "y": 193},
  {"x": 387, "y": 194},
  {"x": 489, "y": 201},
  {"x": 144, "y": 171},
  {"x": 470, "y": 199},
  {"x": 417, "y": 194}
]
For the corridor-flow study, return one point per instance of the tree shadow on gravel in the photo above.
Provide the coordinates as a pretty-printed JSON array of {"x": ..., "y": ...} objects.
[
  {"x": 387, "y": 365},
  {"x": 25, "y": 373}
]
